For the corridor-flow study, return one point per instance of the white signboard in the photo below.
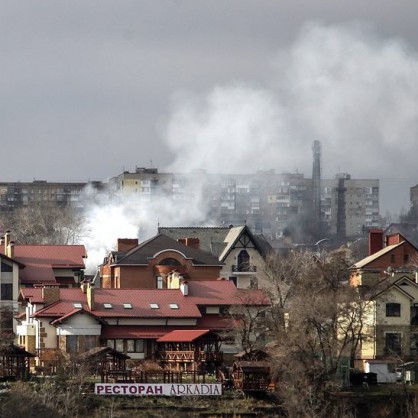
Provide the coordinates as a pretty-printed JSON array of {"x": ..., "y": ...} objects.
[{"x": 158, "y": 389}]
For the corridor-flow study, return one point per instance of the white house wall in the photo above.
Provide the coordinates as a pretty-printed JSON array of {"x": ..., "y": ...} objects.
[{"x": 80, "y": 324}]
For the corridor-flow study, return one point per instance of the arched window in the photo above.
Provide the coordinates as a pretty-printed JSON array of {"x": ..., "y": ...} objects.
[
  {"x": 243, "y": 261},
  {"x": 169, "y": 262}
]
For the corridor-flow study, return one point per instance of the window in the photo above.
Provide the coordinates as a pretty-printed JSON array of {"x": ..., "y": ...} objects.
[
  {"x": 119, "y": 345},
  {"x": 173, "y": 306},
  {"x": 71, "y": 343},
  {"x": 392, "y": 258},
  {"x": 6, "y": 268},
  {"x": 393, "y": 309},
  {"x": 243, "y": 261},
  {"x": 107, "y": 305},
  {"x": 6, "y": 291},
  {"x": 159, "y": 282},
  {"x": 169, "y": 262},
  {"x": 393, "y": 343},
  {"x": 135, "y": 346},
  {"x": 127, "y": 305},
  {"x": 406, "y": 258},
  {"x": 154, "y": 306},
  {"x": 89, "y": 342},
  {"x": 77, "y": 305}
]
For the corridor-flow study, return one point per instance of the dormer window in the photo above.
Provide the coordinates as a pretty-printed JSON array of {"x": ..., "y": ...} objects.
[
  {"x": 107, "y": 306},
  {"x": 154, "y": 306}
]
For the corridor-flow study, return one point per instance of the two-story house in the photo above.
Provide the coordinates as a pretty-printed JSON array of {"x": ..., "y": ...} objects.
[
  {"x": 241, "y": 253},
  {"x": 143, "y": 323},
  {"x": 153, "y": 263}
]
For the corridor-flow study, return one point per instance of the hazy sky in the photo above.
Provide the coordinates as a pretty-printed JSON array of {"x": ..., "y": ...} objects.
[{"x": 90, "y": 88}]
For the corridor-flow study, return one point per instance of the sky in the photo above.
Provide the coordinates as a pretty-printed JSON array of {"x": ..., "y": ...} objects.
[{"x": 91, "y": 88}]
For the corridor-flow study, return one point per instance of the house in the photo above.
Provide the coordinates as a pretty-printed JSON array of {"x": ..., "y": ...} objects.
[
  {"x": 241, "y": 253},
  {"x": 62, "y": 264},
  {"x": 390, "y": 255},
  {"x": 142, "y": 323},
  {"x": 9, "y": 291},
  {"x": 155, "y": 262},
  {"x": 388, "y": 285}
]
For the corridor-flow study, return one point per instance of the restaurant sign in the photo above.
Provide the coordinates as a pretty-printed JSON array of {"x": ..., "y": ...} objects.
[{"x": 158, "y": 389}]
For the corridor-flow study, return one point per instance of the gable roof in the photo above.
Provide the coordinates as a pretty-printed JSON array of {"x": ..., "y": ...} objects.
[
  {"x": 41, "y": 260},
  {"x": 365, "y": 261},
  {"x": 147, "y": 250},
  {"x": 11, "y": 260},
  {"x": 217, "y": 240},
  {"x": 167, "y": 303}
]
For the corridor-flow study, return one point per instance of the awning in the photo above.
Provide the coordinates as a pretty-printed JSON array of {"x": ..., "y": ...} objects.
[{"x": 181, "y": 335}]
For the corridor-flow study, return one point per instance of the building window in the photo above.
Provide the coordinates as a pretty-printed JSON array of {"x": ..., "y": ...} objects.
[
  {"x": 159, "y": 282},
  {"x": 393, "y": 343},
  {"x": 243, "y": 261},
  {"x": 89, "y": 342},
  {"x": 6, "y": 291},
  {"x": 6, "y": 268},
  {"x": 135, "y": 346},
  {"x": 392, "y": 258},
  {"x": 393, "y": 309},
  {"x": 119, "y": 345},
  {"x": 406, "y": 258},
  {"x": 71, "y": 343}
]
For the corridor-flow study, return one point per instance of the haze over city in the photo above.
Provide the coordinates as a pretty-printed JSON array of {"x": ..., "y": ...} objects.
[{"x": 90, "y": 89}]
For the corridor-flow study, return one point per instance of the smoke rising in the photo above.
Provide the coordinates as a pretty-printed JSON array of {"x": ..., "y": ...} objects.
[{"x": 341, "y": 85}]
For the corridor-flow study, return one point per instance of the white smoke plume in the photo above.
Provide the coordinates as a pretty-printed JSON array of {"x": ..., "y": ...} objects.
[{"x": 342, "y": 85}]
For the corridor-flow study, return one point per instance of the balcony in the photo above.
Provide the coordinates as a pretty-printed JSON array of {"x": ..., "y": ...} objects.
[
  {"x": 177, "y": 356},
  {"x": 244, "y": 268}
]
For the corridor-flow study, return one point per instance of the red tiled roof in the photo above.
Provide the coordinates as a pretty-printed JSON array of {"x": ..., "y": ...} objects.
[
  {"x": 183, "y": 335},
  {"x": 40, "y": 260},
  {"x": 168, "y": 302},
  {"x": 133, "y": 331},
  {"x": 224, "y": 292}
]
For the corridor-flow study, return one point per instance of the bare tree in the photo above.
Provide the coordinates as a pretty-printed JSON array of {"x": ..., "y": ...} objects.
[
  {"x": 247, "y": 319},
  {"x": 318, "y": 324},
  {"x": 45, "y": 225}
]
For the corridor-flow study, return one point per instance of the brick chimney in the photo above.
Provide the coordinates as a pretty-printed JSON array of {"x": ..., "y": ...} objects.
[
  {"x": 6, "y": 242},
  {"x": 50, "y": 293},
  {"x": 375, "y": 240},
  {"x": 193, "y": 243},
  {"x": 394, "y": 239},
  {"x": 126, "y": 244},
  {"x": 90, "y": 296},
  {"x": 11, "y": 249},
  {"x": 184, "y": 287}
]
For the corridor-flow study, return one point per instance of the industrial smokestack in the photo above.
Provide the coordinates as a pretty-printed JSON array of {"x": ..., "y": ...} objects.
[{"x": 316, "y": 186}]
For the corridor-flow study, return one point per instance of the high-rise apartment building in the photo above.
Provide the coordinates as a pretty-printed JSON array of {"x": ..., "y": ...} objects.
[{"x": 349, "y": 206}]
